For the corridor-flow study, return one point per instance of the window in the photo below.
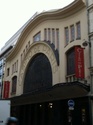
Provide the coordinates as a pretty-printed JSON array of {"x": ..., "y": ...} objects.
[
  {"x": 29, "y": 44},
  {"x": 21, "y": 57},
  {"x": 0, "y": 63},
  {"x": 1, "y": 71},
  {"x": 91, "y": 20},
  {"x": 14, "y": 84},
  {"x": 8, "y": 70},
  {"x": 57, "y": 38},
  {"x": 14, "y": 67},
  {"x": 17, "y": 66},
  {"x": 24, "y": 53},
  {"x": 26, "y": 48},
  {"x": 78, "y": 30},
  {"x": 72, "y": 32},
  {"x": 71, "y": 62},
  {"x": 66, "y": 35},
  {"x": 45, "y": 34},
  {"x": 53, "y": 36},
  {"x": 49, "y": 34},
  {"x": 37, "y": 37}
]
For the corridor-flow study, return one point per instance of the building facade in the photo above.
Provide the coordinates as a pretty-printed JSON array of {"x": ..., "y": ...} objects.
[
  {"x": 47, "y": 74},
  {"x": 5, "y": 51},
  {"x": 3, "y": 56},
  {"x": 90, "y": 42}
]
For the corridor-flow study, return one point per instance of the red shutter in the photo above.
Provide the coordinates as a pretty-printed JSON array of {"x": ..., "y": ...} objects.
[
  {"x": 79, "y": 62},
  {"x": 6, "y": 89}
]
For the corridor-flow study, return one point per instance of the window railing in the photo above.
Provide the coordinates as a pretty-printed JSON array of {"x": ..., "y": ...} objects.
[{"x": 71, "y": 78}]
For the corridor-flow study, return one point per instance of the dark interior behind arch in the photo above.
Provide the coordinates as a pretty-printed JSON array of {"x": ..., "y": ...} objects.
[{"x": 38, "y": 74}]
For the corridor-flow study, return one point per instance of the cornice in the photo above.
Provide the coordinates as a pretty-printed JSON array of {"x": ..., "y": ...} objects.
[{"x": 67, "y": 11}]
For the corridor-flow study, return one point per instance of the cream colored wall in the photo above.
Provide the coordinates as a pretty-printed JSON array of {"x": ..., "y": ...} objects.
[
  {"x": 82, "y": 17},
  {"x": 35, "y": 48},
  {"x": 59, "y": 77}
]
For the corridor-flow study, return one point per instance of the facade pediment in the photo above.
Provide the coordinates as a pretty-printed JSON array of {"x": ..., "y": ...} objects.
[{"x": 65, "y": 12}]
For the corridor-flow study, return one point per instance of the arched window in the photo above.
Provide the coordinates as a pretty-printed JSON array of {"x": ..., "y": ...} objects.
[
  {"x": 39, "y": 74},
  {"x": 14, "y": 84},
  {"x": 37, "y": 37},
  {"x": 71, "y": 62},
  {"x": 75, "y": 62}
]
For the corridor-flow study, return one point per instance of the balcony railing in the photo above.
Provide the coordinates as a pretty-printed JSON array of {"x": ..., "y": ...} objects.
[{"x": 71, "y": 78}]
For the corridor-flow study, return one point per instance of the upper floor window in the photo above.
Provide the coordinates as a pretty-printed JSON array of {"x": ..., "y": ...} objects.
[
  {"x": 66, "y": 35},
  {"x": 57, "y": 38},
  {"x": 71, "y": 62},
  {"x": 78, "y": 30},
  {"x": 26, "y": 48},
  {"x": 0, "y": 63},
  {"x": 12, "y": 68},
  {"x": 15, "y": 67},
  {"x": 21, "y": 57},
  {"x": 53, "y": 36},
  {"x": 1, "y": 71},
  {"x": 37, "y": 37},
  {"x": 91, "y": 20},
  {"x": 14, "y": 84},
  {"x": 49, "y": 34},
  {"x": 8, "y": 71},
  {"x": 45, "y": 34},
  {"x": 29, "y": 44},
  {"x": 72, "y": 32},
  {"x": 24, "y": 53}
]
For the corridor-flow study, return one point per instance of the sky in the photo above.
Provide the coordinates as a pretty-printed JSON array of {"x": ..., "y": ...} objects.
[{"x": 15, "y": 13}]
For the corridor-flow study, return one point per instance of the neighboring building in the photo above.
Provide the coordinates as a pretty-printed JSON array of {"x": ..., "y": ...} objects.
[
  {"x": 5, "y": 50},
  {"x": 12, "y": 41},
  {"x": 90, "y": 42},
  {"x": 47, "y": 73},
  {"x": 3, "y": 56}
]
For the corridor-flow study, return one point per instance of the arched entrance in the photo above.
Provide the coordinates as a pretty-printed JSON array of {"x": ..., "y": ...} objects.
[{"x": 38, "y": 74}]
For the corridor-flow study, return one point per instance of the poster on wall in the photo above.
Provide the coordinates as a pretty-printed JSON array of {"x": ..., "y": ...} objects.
[
  {"x": 6, "y": 89},
  {"x": 79, "y": 62}
]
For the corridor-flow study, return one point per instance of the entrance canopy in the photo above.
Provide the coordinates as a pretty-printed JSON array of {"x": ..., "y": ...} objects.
[{"x": 57, "y": 92}]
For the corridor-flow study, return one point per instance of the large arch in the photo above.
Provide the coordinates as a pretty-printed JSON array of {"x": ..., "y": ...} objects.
[
  {"x": 38, "y": 48},
  {"x": 38, "y": 74}
]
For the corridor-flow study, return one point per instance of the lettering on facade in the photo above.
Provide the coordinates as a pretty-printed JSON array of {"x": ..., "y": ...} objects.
[
  {"x": 39, "y": 48},
  {"x": 79, "y": 62}
]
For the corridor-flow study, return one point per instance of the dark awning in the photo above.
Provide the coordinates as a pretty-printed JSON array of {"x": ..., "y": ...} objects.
[{"x": 57, "y": 92}]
